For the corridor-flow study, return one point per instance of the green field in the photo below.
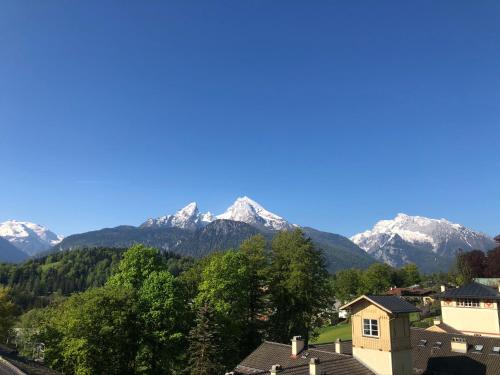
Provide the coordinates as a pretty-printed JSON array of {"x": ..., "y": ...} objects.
[{"x": 331, "y": 333}]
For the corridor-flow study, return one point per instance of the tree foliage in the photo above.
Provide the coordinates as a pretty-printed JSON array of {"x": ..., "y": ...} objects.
[
  {"x": 93, "y": 332},
  {"x": 476, "y": 263},
  {"x": 298, "y": 286},
  {"x": 205, "y": 343},
  {"x": 36, "y": 282},
  {"x": 7, "y": 313}
]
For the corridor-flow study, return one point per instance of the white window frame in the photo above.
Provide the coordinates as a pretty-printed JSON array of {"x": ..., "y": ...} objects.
[
  {"x": 468, "y": 302},
  {"x": 371, "y": 326}
]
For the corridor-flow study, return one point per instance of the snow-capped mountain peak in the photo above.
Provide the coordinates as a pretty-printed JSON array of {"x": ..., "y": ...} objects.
[
  {"x": 248, "y": 211},
  {"x": 243, "y": 209},
  {"x": 439, "y": 236},
  {"x": 188, "y": 217},
  {"x": 28, "y": 237}
]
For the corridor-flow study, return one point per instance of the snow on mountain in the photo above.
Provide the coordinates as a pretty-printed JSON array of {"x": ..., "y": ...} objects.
[
  {"x": 393, "y": 238},
  {"x": 248, "y": 211},
  {"x": 28, "y": 237},
  {"x": 188, "y": 217},
  {"x": 243, "y": 209}
]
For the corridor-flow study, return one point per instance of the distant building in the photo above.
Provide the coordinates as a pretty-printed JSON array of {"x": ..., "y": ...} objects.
[
  {"x": 413, "y": 294},
  {"x": 472, "y": 309}
]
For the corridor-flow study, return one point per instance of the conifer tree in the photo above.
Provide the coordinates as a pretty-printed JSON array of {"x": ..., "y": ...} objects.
[{"x": 205, "y": 345}]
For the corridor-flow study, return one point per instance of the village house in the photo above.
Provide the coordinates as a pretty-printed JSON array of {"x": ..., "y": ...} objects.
[
  {"x": 472, "y": 309},
  {"x": 382, "y": 344},
  {"x": 413, "y": 294}
]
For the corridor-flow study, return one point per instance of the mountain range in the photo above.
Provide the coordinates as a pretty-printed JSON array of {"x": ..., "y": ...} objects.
[
  {"x": 243, "y": 210},
  {"x": 429, "y": 243},
  {"x": 189, "y": 232}
]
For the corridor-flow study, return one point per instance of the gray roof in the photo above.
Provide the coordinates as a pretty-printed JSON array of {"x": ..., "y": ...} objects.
[
  {"x": 394, "y": 304},
  {"x": 428, "y": 359},
  {"x": 471, "y": 290},
  {"x": 268, "y": 354},
  {"x": 27, "y": 366}
]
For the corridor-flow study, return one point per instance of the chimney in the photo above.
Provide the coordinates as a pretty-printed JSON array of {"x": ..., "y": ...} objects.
[
  {"x": 458, "y": 345},
  {"x": 437, "y": 320},
  {"x": 443, "y": 288},
  {"x": 297, "y": 345},
  {"x": 275, "y": 369},
  {"x": 339, "y": 346},
  {"x": 314, "y": 367}
]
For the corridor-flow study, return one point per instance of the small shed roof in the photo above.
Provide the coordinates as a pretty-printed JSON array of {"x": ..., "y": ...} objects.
[{"x": 391, "y": 304}]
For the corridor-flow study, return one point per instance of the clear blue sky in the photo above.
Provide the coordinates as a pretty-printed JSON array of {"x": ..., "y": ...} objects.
[{"x": 333, "y": 114}]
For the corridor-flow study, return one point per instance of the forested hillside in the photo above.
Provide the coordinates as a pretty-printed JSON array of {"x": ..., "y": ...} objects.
[
  {"x": 218, "y": 235},
  {"x": 34, "y": 282}
]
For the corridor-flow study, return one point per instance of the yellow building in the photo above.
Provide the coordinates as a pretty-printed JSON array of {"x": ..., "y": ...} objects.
[
  {"x": 472, "y": 309},
  {"x": 381, "y": 334}
]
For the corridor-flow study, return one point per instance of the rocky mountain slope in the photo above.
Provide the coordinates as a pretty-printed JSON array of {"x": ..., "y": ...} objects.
[
  {"x": 9, "y": 253},
  {"x": 189, "y": 232},
  {"x": 29, "y": 238},
  {"x": 430, "y": 243}
]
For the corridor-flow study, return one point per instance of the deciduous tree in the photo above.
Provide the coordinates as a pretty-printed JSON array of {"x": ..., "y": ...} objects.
[{"x": 298, "y": 286}]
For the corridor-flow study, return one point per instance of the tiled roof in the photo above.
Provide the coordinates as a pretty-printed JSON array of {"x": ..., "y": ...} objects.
[
  {"x": 471, "y": 290},
  {"x": 394, "y": 304},
  {"x": 268, "y": 354},
  {"x": 391, "y": 304},
  {"x": 429, "y": 359}
]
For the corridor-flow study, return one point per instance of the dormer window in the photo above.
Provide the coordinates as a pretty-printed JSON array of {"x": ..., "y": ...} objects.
[
  {"x": 467, "y": 302},
  {"x": 370, "y": 327}
]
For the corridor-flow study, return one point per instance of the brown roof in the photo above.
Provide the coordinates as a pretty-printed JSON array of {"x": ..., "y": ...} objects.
[
  {"x": 268, "y": 354},
  {"x": 439, "y": 359},
  {"x": 430, "y": 358}
]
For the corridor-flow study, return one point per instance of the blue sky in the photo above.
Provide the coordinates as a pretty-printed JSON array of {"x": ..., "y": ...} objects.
[{"x": 333, "y": 114}]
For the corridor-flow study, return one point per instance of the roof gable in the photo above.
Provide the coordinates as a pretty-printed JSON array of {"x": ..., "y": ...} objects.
[{"x": 390, "y": 304}]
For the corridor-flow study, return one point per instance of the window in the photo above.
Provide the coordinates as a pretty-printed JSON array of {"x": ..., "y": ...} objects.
[
  {"x": 478, "y": 348},
  {"x": 422, "y": 343},
  {"x": 468, "y": 302},
  {"x": 370, "y": 327}
]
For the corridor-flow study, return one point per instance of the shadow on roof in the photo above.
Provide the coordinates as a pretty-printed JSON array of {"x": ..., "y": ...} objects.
[{"x": 456, "y": 365}]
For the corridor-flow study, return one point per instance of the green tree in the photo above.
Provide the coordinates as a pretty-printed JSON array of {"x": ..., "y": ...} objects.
[
  {"x": 226, "y": 283},
  {"x": 377, "y": 279},
  {"x": 164, "y": 325},
  {"x": 7, "y": 313},
  {"x": 463, "y": 270},
  {"x": 258, "y": 266},
  {"x": 137, "y": 264},
  {"x": 95, "y": 332},
  {"x": 410, "y": 274},
  {"x": 346, "y": 284},
  {"x": 298, "y": 286},
  {"x": 205, "y": 345}
]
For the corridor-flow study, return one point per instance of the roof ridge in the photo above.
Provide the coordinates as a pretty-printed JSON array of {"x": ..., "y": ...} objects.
[{"x": 275, "y": 343}]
